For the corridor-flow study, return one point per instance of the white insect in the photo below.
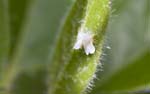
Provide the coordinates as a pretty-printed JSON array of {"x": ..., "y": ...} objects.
[{"x": 85, "y": 40}]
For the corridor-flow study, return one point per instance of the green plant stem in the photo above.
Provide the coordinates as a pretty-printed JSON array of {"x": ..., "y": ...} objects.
[{"x": 72, "y": 71}]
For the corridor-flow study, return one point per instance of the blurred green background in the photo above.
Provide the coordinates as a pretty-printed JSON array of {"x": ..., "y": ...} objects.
[
  {"x": 126, "y": 58},
  {"x": 126, "y": 51}
]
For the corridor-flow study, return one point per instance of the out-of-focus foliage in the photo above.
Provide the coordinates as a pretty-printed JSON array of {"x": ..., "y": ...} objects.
[
  {"x": 27, "y": 32},
  {"x": 126, "y": 64},
  {"x": 4, "y": 38}
]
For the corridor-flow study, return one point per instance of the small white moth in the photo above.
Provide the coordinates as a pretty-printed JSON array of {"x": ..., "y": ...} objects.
[{"x": 85, "y": 40}]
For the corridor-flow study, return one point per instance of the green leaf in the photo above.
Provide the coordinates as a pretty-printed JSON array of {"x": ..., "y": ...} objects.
[
  {"x": 17, "y": 11},
  {"x": 130, "y": 77},
  {"x": 4, "y": 38},
  {"x": 71, "y": 71},
  {"x": 34, "y": 26},
  {"x": 15, "y": 16}
]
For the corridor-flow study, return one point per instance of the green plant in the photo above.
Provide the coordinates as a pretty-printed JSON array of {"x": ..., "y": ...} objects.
[{"x": 38, "y": 52}]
